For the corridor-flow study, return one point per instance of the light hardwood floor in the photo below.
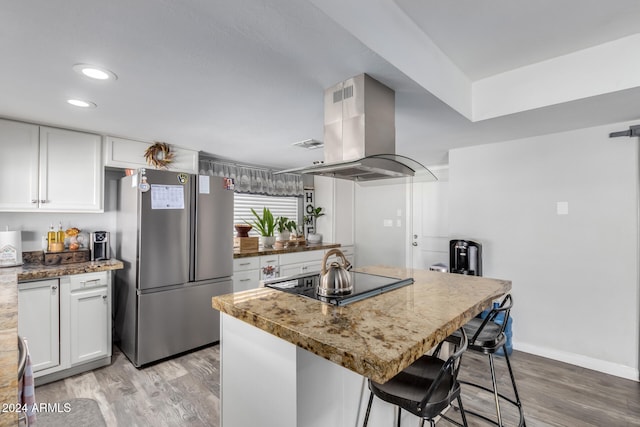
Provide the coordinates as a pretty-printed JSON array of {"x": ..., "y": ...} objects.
[{"x": 185, "y": 391}]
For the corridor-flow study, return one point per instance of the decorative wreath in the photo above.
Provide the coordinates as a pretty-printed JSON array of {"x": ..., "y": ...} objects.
[{"x": 159, "y": 155}]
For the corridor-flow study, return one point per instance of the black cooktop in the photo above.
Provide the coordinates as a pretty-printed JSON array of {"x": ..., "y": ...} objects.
[{"x": 364, "y": 286}]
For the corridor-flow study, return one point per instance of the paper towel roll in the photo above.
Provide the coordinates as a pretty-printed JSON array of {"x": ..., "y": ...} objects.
[{"x": 10, "y": 248}]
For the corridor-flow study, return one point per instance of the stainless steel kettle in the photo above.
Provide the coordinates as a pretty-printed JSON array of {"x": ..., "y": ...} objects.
[{"x": 336, "y": 279}]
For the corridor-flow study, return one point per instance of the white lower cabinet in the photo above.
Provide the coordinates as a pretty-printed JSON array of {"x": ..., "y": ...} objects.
[
  {"x": 90, "y": 318},
  {"x": 301, "y": 263},
  {"x": 248, "y": 271},
  {"x": 245, "y": 273},
  {"x": 269, "y": 266},
  {"x": 349, "y": 254},
  {"x": 39, "y": 322},
  {"x": 67, "y": 324}
]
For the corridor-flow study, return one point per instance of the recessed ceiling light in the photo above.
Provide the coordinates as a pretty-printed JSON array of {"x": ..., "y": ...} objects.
[
  {"x": 94, "y": 72},
  {"x": 81, "y": 103}
]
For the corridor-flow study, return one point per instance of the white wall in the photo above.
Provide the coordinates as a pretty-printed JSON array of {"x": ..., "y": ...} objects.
[
  {"x": 381, "y": 224},
  {"x": 34, "y": 225},
  {"x": 575, "y": 276}
]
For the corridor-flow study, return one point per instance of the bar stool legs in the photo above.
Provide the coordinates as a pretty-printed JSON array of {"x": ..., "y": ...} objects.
[{"x": 497, "y": 395}]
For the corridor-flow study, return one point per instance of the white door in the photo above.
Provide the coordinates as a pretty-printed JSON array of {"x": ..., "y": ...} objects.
[
  {"x": 89, "y": 326},
  {"x": 38, "y": 321},
  {"x": 430, "y": 238},
  {"x": 18, "y": 166},
  {"x": 71, "y": 171}
]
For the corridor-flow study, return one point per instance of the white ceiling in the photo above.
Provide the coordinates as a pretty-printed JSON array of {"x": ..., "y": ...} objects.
[{"x": 245, "y": 79}]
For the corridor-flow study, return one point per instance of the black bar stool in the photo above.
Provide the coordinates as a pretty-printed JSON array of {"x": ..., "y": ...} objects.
[
  {"x": 426, "y": 388},
  {"x": 488, "y": 337}
]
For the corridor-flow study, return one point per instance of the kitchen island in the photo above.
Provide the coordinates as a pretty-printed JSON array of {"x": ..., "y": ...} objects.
[{"x": 293, "y": 361}]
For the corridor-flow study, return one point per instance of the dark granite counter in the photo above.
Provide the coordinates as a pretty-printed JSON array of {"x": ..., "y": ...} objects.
[
  {"x": 34, "y": 269},
  {"x": 293, "y": 249}
]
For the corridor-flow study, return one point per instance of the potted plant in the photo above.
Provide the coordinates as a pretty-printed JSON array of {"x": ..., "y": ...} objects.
[
  {"x": 285, "y": 227},
  {"x": 282, "y": 225},
  {"x": 265, "y": 225},
  {"x": 313, "y": 216}
]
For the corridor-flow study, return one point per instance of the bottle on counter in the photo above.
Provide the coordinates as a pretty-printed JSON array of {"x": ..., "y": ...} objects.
[
  {"x": 60, "y": 236},
  {"x": 52, "y": 237}
]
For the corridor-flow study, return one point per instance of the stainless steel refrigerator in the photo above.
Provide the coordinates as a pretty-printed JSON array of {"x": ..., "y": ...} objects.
[{"x": 175, "y": 237}]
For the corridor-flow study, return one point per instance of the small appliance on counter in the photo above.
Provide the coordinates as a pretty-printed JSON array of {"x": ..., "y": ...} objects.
[
  {"x": 465, "y": 257},
  {"x": 10, "y": 248},
  {"x": 99, "y": 244}
]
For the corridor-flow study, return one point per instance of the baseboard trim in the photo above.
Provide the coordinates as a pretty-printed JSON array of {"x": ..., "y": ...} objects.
[{"x": 610, "y": 368}]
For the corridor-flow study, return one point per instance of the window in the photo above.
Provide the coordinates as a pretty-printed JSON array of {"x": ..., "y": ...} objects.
[{"x": 279, "y": 206}]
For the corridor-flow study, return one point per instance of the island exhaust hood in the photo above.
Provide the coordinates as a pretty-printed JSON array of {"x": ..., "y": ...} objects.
[{"x": 360, "y": 135}]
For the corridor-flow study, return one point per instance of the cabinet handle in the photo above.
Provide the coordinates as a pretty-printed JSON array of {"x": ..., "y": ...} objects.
[
  {"x": 104, "y": 297},
  {"x": 43, "y": 201},
  {"x": 269, "y": 261},
  {"x": 304, "y": 268},
  {"x": 245, "y": 263},
  {"x": 85, "y": 282},
  {"x": 245, "y": 280},
  {"x": 34, "y": 201}
]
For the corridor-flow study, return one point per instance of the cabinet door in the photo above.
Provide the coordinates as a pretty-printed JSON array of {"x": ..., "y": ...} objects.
[
  {"x": 38, "y": 321},
  {"x": 129, "y": 154},
  {"x": 71, "y": 171},
  {"x": 89, "y": 325},
  {"x": 18, "y": 166},
  {"x": 245, "y": 280},
  {"x": 269, "y": 267}
]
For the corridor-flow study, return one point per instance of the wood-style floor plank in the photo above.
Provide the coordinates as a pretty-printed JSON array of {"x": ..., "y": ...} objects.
[{"x": 185, "y": 391}]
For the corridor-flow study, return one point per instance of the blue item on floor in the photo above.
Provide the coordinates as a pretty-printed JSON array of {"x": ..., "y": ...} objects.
[{"x": 508, "y": 332}]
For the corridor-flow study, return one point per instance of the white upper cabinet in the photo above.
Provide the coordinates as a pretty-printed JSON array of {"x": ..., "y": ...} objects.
[
  {"x": 129, "y": 154},
  {"x": 19, "y": 144},
  {"x": 71, "y": 171},
  {"x": 49, "y": 169}
]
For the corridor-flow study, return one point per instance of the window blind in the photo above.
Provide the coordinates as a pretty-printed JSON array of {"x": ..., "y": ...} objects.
[{"x": 279, "y": 206}]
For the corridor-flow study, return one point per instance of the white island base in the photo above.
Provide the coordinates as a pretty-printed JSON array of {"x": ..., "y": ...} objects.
[{"x": 268, "y": 382}]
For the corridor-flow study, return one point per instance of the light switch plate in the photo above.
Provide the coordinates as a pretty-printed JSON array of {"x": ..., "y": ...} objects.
[{"x": 562, "y": 208}]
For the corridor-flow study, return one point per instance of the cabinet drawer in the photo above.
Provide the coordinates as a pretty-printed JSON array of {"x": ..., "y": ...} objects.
[
  {"x": 88, "y": 280},
  {"x": 245, "y": 280},
  {"x": 305, "y": 256},
  {"x": 269, "y": 260},
  {"x": 249, "y": 263}
]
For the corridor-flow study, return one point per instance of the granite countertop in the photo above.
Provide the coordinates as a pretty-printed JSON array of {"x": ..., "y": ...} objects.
[
  {"x": 267, "y": 251},
  {"x": 376, "y": 337},
  {"x": 8, "y": 344},
  {"x": 34, "y": 271}
]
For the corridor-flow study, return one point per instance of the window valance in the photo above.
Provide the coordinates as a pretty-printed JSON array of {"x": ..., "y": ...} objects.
[{"x": 255, "y": 180}]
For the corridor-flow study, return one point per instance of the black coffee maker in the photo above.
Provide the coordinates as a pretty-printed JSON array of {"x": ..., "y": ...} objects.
[{"x": 465, "y": 257}]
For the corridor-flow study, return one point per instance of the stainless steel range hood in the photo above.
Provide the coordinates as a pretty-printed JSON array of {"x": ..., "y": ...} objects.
[{"x": 359, "y": 135}]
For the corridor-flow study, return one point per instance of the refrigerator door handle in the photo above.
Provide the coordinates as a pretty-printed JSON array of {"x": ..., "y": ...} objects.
[{"x": 195, "y": 189}]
